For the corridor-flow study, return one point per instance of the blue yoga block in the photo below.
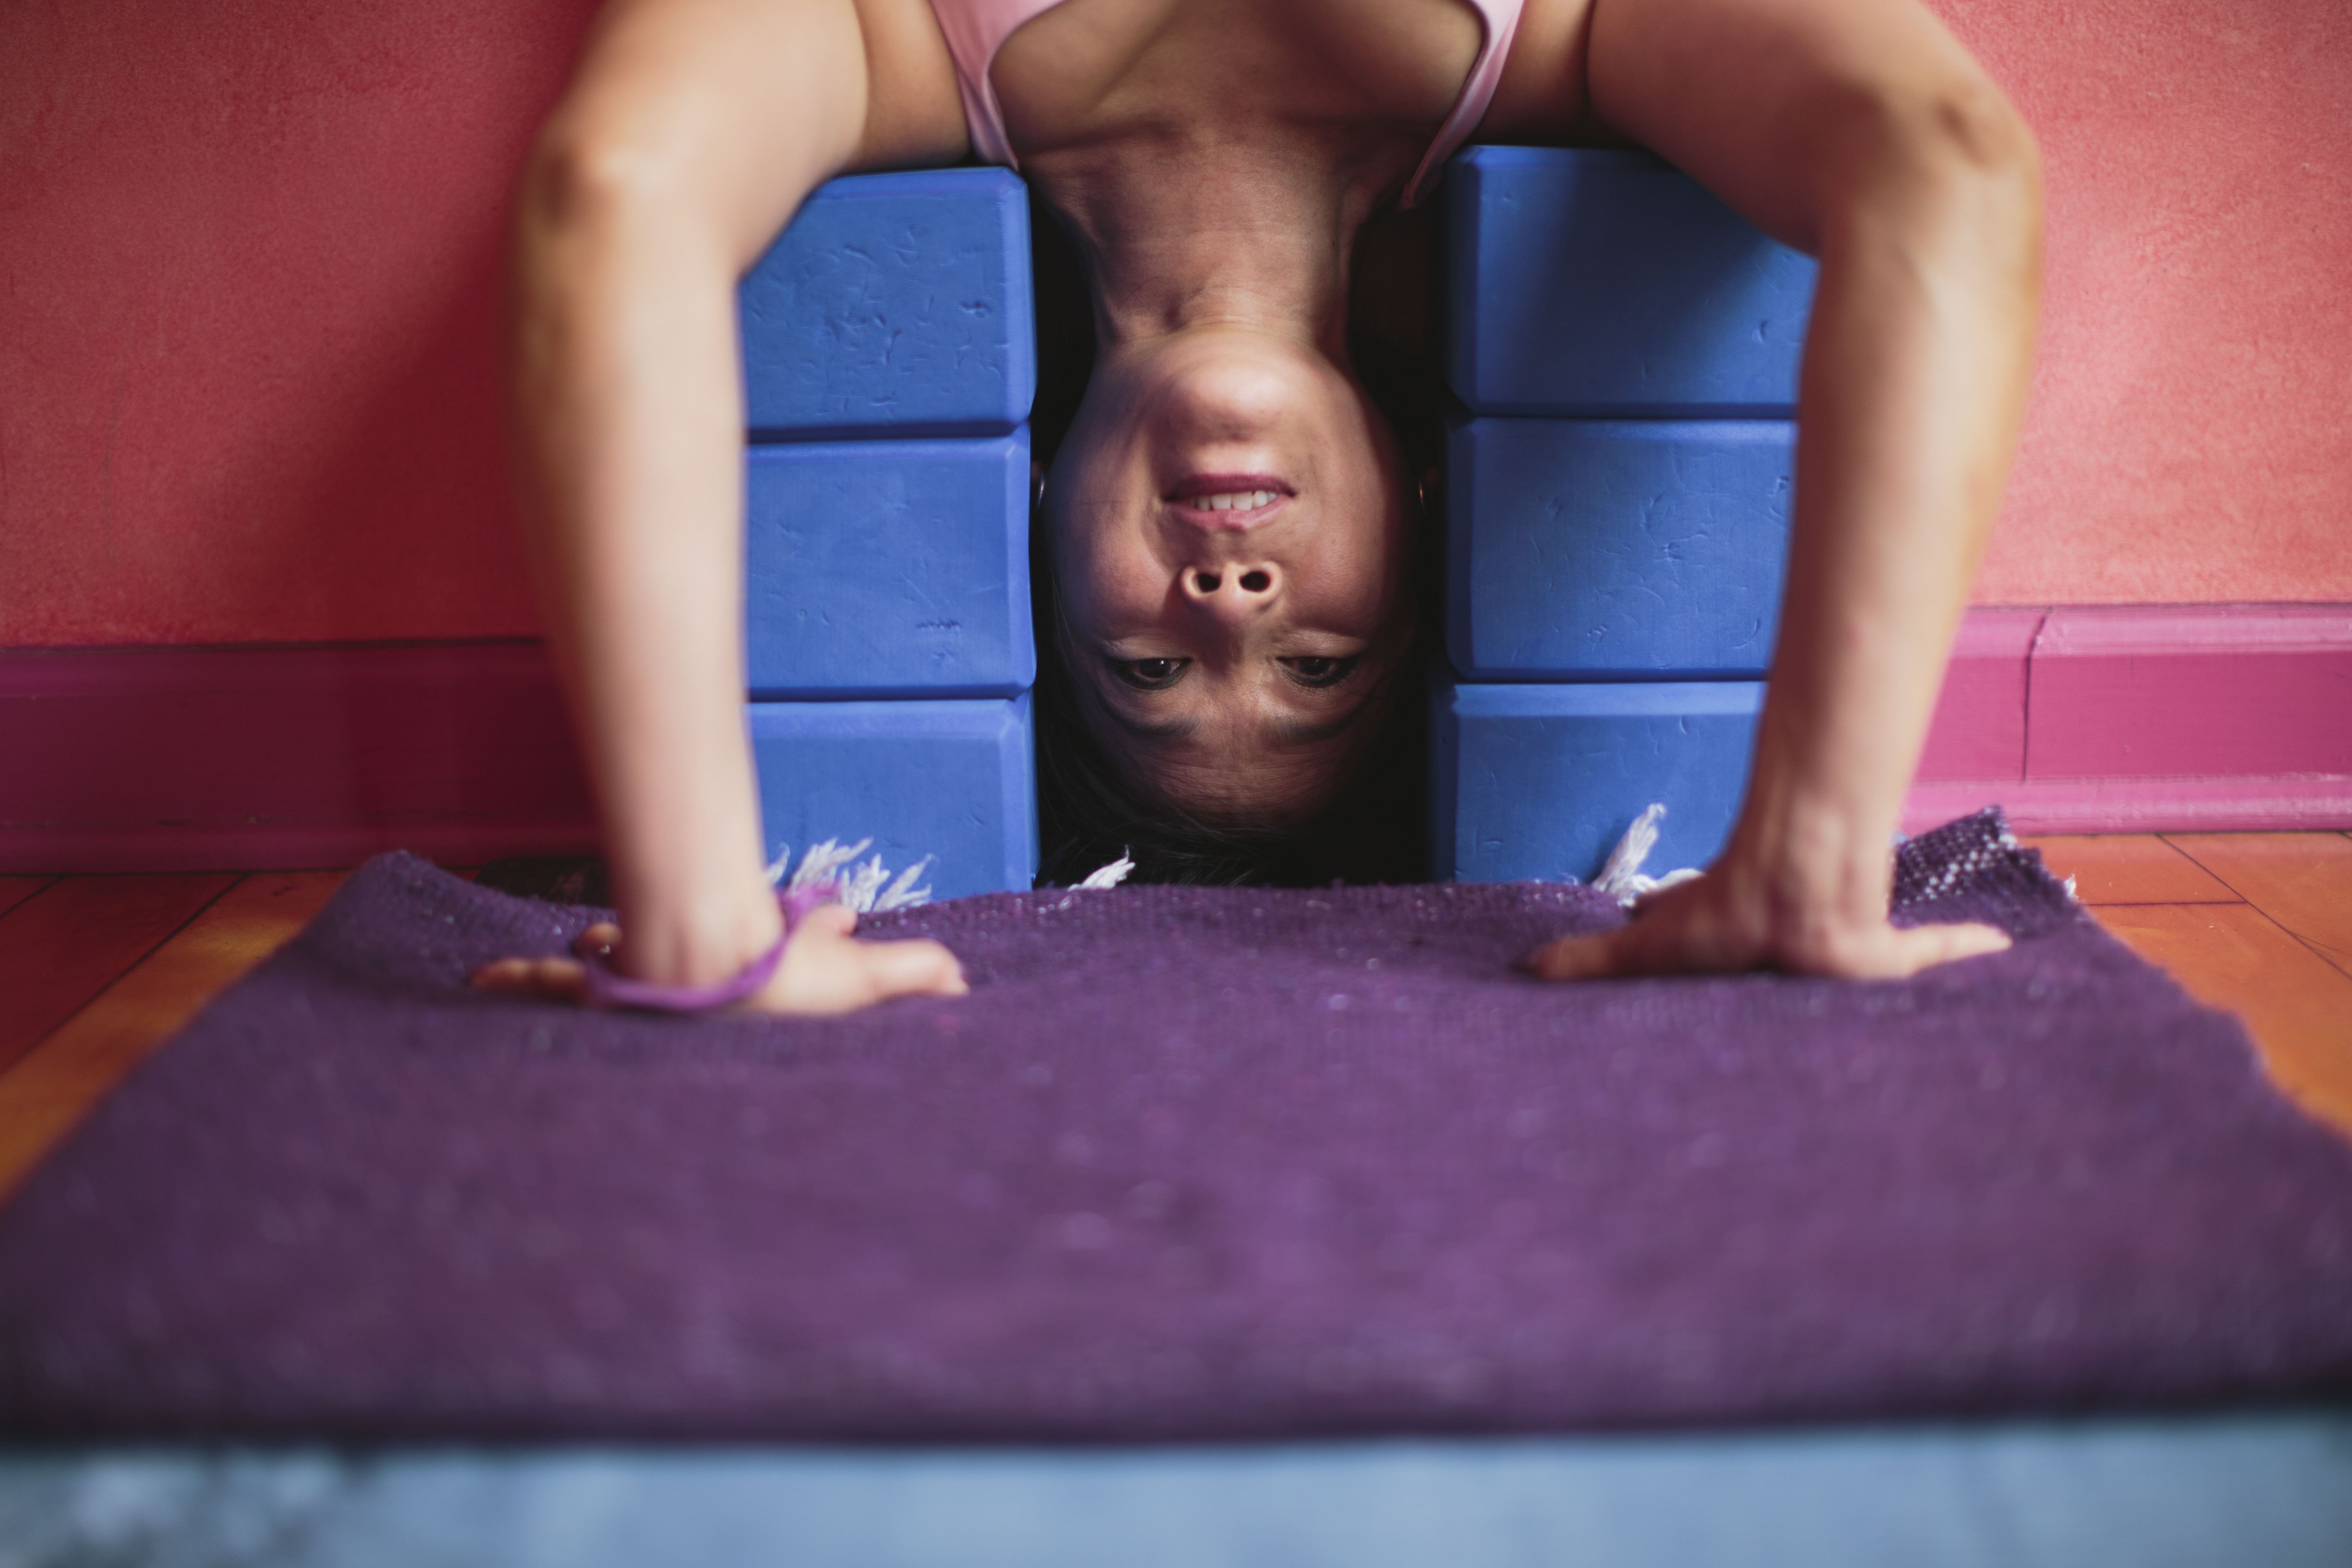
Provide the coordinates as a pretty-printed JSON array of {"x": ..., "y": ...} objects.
[
  {"x": 956, "y": 781},
  {"x": 1607, "y": 283},
  {"x": 888, "y": 569},
  {"x": 893, "y": 303},
  {"x": 1538, "y": 783},
  {"x": 1616, "y": 550}
]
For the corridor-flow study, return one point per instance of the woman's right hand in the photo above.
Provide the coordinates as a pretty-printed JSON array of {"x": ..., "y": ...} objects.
[
  {"x": 825, "y": 970},
  {"x": 689, "y": 134}
]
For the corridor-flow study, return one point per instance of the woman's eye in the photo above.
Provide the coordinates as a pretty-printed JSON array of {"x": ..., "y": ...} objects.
[
  {"x": 1149, "y": 674},
  {"x": 1321, "y": 671}
]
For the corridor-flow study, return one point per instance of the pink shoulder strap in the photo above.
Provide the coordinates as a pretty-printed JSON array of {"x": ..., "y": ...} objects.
[
  {"x": 976, "y": 29},
  {"x": 1502, "y": 22}
]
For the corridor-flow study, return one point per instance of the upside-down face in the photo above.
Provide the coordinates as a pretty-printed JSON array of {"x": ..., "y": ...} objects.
[{"x": 1229, "y": 541}]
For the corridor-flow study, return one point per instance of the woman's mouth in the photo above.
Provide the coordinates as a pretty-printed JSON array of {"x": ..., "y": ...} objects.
[
  {"x": 1230, "y": 493},
  {"x": 1231, "y": 500}
]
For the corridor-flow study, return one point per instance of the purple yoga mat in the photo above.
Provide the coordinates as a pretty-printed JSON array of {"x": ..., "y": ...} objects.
[{"x": 1186, "y": 1163}]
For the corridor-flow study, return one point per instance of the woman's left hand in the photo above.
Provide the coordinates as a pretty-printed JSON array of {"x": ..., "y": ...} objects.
[{"x": 1730, "y": 920}]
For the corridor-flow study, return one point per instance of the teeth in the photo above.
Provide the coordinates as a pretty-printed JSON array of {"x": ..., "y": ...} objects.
[{"x": 1233, "y": 500}]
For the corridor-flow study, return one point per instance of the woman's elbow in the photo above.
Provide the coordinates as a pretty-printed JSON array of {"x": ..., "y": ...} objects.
[
  {"x": 583, "y": 179},
  {"x": 1977, "y": 148},
  {"x": 596, "y": 185},
  {"x": 1952, "y": 167},
  {"x": 599, "y": 223}
]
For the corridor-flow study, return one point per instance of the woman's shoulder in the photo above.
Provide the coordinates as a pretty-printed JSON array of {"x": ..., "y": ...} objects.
[
  {"x": 1543, "y": 96},
  {"x": 914, "y": 113}
]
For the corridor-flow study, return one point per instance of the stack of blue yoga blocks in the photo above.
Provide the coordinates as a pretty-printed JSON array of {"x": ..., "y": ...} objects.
[
  {"x": 889, "y": 361},
  {"x": 1624, "y": 351}
]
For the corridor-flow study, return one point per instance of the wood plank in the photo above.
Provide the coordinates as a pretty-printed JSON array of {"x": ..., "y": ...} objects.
[
  {"x": 2129, "y": 869},
  {"x": 71, "y": 939},
  {"x": 2302, "y": 880},
  {"x": 44, "y": 1095},
  {"x": 15, "y": 890},
  {"x": 2297, "y": 1005}
]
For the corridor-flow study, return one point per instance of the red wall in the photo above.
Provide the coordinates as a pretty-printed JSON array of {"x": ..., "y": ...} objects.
[
  {"x": 249, "y": 259},
  {"x": 248, "y": 315},
  {"x": 2190, "y": 434}
]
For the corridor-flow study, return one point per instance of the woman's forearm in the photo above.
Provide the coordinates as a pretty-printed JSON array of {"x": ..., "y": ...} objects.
[
  {"x": 630, "y": 426},
  {"x": 1913, "y": 383},
  {"x": 690, "y": 135}
]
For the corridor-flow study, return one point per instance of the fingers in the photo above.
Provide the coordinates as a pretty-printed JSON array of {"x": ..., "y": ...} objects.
[
  {"x": 861, "y": 973},
  {"x": 1591, "y": 957},
  {"x": 549, "y": 979},
  {"x": 827, "y": 972},
  {"x": 599, "y": 939},
  {"x": 553, "y": 979},
  {"x": 1655, "y": 943},
  {"x": 1915, "y": 948},
  {"x": 913, "y": 969},
  {"x": 828, "y": 920}
]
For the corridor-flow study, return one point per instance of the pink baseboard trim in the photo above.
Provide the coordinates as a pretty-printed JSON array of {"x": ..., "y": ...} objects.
[
  {"x": 2199, "y": 690},
  {"x": 2138, "y": 804},
  {"x": 254, "y": 758},
  {"x": 284, "y": 847},
  {"x": 2133, "y": 718},
  {"x": 2113, "y": 718},
  {"x": 1980, "y": 728}
]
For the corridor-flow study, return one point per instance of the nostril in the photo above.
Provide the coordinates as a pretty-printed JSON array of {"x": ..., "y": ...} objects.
[
  {"x": 1255, "y": 582},
  {"x": 1205, "y": 581}
]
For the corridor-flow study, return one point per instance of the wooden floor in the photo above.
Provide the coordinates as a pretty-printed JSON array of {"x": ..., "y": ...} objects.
[{"x": 95, "y": 972}]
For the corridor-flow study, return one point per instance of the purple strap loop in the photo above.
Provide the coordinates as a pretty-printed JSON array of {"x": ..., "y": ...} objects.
[{"x": 607, "y": 989}]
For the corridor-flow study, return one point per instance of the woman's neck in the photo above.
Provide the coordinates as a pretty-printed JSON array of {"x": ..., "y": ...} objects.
[{"x": 1253, "y": 231}]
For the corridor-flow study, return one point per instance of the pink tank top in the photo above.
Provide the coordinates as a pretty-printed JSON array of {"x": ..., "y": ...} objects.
[{"x": 976, "y": 29}]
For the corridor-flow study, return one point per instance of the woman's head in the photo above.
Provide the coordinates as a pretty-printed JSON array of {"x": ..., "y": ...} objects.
[{"x": 1227, "y": 533}]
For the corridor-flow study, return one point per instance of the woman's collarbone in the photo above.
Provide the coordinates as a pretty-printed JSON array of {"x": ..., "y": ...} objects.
[{"x": 1087, "y": 68}]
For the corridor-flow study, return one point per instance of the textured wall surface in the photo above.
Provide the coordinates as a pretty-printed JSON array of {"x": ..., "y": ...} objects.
[
  {"x": 249, "y": 315},
  {"x": 2191, "y": 434},
  {"x": 248, "y": 303}
]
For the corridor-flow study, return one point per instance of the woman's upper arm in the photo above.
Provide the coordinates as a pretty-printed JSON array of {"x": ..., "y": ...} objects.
[
  {"x": 1780, "y": 106},
  {"x": 731, "y": 112}
]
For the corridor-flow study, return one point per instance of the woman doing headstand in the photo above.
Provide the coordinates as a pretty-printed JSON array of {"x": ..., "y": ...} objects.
[{"x": 1228, "y": 518}]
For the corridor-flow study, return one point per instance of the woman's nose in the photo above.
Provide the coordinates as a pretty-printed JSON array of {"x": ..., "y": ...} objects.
[{"x": 1232, "y": 589}]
